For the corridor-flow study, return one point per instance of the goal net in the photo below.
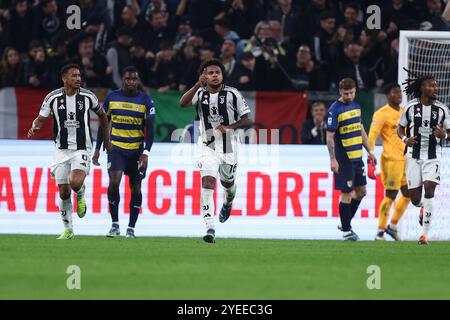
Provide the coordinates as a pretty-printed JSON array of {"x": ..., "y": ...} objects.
[{"x": 428, "y": 52}]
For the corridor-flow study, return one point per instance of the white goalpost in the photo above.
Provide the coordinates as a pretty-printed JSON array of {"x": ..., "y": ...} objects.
[{"x": 428, "y": 52}]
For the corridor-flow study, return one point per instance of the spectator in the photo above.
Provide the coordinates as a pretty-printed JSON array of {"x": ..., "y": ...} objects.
[
  {"x": 390, "y": 65},
  {"x": 183, "y": 34},
  {"x": 244, "y": 14},
  {"x": 353, "y": 67},
  {"x": 289, "y": 18},
  {"x": 314, "y": 131},
  {"x": 305, "y": 74},
  {"x": 223, "y": 31},
  {"x": 166, "y": 69},
  {"x": 49, "y": 20},
  {"x": 11, "y": 69},
  {"x": 351, "y": 23},
  {"x": 324, "y": 52},
  {"x": 118, "y": 55},
  {"x": 227, "y": 54},
  {"x": 93, "y": 65},
  {"x": 190, "y": 76},
  {"x": 130, "y": 20},
  {"x": 19, "y": 26},
  {"x": 96, "y": 21},
  {"x": 141, "y": 62},
  {"x": 374, "y": 52},
  {"x": 396, "y": 15},
  {"x": 38, "y": 69},
  {"x": 203, "y": 13},
  {"x": 430, "y": 17},
  {"x": 312, "y": 16},
  {"x": 158, "y": 31},
  {"x": 243, "y": 77}
]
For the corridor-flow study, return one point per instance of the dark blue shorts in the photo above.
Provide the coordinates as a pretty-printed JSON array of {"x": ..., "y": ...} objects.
[
  {"x": 128, "y": 162},
  {"x": 350, "y": 175}
]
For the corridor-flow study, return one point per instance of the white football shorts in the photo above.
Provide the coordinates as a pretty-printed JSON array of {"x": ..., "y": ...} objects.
[
  {"x": 209, "y": 162},
  {"x": 418, "y": 171},
  {"x": 65, "y": 160}
]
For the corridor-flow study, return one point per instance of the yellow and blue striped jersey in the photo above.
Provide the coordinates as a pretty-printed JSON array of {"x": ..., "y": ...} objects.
[
  {"x": 128, "y": 116},
  {"x": 345, "y": 121}
]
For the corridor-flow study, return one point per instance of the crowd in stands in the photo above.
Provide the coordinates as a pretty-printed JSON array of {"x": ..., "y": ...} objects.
[{"x": 266, "y": 45}]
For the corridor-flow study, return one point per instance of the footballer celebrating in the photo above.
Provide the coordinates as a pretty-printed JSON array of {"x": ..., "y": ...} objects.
[
  {"x": 71, "y": 160},
  {"x": 393, "y": 177},
  {"x": 222, "y": 111},
  {"x": 345, "y": 138},
  {"x": 423, "y": 127}
]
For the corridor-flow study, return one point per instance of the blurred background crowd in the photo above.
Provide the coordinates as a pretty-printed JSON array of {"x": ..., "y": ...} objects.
[{"x": 266, "y": 45}]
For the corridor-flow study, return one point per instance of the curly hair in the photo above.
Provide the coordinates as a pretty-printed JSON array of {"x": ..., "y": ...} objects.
[{"x": 414, "y": 82}]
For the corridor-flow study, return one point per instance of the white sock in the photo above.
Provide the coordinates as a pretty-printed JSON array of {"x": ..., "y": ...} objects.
[
  {"x": 230, "y": 193},
  {"x": 427, "y": 213},
  {"x": 420, "y": 204},
  {"x": 207, "y": 205},
  {"x": 80, "y": 193},
  {"x": 66, "y": 210}
]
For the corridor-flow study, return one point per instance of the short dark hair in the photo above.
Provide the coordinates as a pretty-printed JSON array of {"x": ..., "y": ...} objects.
[
  {"x": 67, "y": 67},
  {"x": 347, "y": 84},
  {"x": 129, "y": 69},
  {"x": 352, "y": 5},
  {"x": 212, "y": 62},
  {"x": 327, "y": 14},
  {"x": 35, "y": 44},
  {"x": 388, "y": 88}
]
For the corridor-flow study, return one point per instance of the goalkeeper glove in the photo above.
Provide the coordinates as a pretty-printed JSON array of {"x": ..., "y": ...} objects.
[{"x": 371, "y": 170}]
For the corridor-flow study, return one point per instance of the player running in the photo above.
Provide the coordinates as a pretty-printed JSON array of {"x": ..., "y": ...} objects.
[
  {"x": 73, "y": 146},
  {"x": 222, "y": 111},
  {"x": 393, "y": 176},
  {"x": 345, "y": 138},
  {"x": 427, "y": 125},
  {"x": 130, "y": 111}
]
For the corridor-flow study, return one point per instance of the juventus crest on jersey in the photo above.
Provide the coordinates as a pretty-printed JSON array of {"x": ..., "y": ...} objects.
[
  {"x": 419, "y": 120},
  {"x": 70, "y": 117},
  {"x": 224, "y": 107}
]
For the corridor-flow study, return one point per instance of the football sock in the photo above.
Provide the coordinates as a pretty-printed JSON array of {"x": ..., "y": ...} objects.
[
  {"x": 427, "y": 212},
  {"x": 80, "y": 192},
  {"x": 400, "y": 207},
  {"x": 207, "y": 205},
  {"x": 230, "y": 193},
  {"x": 354, "y": 206},
  {"x": 114, "y": 199},
  {"x": 66, "y": 210},
  {"x": 383, "y": 212},
  {"x": 345, "y": 215},
  {"x": 135, "y": 207}
]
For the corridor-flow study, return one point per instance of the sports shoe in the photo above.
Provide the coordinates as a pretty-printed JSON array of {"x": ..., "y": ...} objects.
[
  {"x": 393, "y": 232},
  {"x": 114, "y": 231},
  {"x": 130, "y": 233},
  {"x": 352, "y": 236},
  {"x": 421, "y": 216},
  {"x": 423, "y": 240},
  {"x": 81, "y": 204},
  {"x": 380, "y": 236},
  {"x": 225, "y": 212},
  {"x": 66, "y": 235},
  {"x": 210, "y": 236}
]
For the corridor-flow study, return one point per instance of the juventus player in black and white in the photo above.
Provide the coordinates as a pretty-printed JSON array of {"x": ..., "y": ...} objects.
[
  {"x": 427, "y": 124},
  {"x": 73, "y": 143},
  {"x": 222, "y": 110}
]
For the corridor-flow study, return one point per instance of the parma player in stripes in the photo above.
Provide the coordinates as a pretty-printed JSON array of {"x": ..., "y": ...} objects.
[
  {"x": 423, "y": 127},
  {"x": 222, "y": 112},
  {"x": 393, "y": 177},
  {"x": 70, "y": 107},
  {"x": 131, "y": 113},
  {"x": 345, "y": 138}
]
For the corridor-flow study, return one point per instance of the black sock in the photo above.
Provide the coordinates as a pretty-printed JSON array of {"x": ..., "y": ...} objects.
[
  {"x": 354, "y": 204},
  {"x": 346, "y": 215},
  {"x": 114, "y": 199},
  {"x": 135, "y": 207}
]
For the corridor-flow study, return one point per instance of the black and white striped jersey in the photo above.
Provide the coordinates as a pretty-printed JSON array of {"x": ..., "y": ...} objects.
[
  {"x": 224, "y": 107},
  {"x": 419, "y": 120},
  {"x": 70, "y": 117}
]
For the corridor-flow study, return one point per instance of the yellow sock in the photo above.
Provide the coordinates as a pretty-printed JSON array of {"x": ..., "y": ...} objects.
[
  {"x": 383, "y": 214},
  {"x": 400, "y": 207}
]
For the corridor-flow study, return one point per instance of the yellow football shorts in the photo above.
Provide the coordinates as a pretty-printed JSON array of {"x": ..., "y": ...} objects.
[{"x": 393, "y": 174}]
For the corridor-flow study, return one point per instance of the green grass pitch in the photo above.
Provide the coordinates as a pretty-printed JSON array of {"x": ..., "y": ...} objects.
[{"x": 34, "y": 267}]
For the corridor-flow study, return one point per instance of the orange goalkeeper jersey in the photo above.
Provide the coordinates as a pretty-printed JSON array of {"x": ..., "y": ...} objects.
[{"x": 385, "y": 121}]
